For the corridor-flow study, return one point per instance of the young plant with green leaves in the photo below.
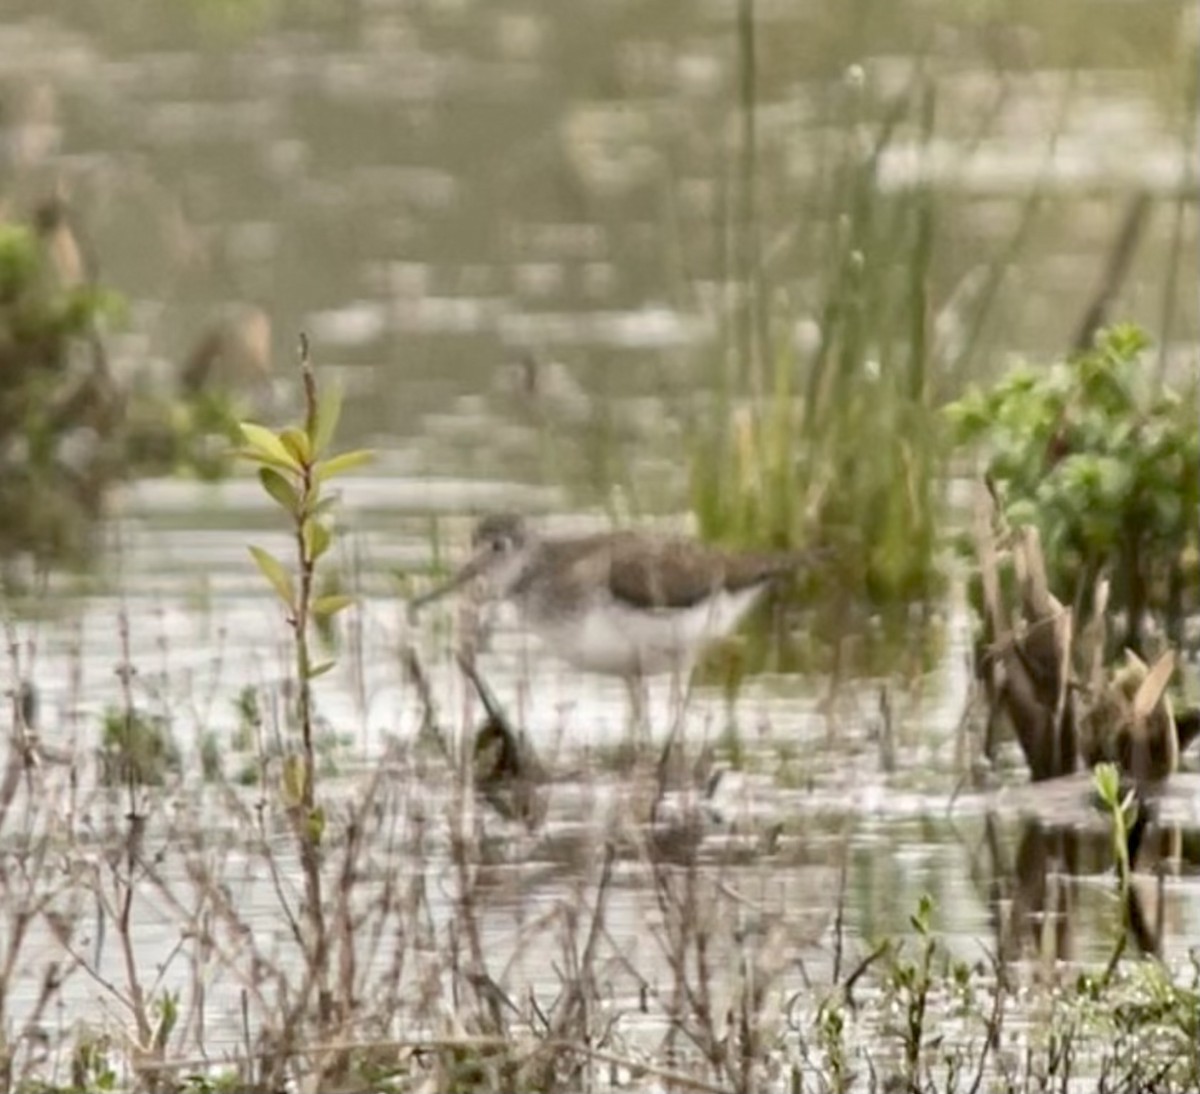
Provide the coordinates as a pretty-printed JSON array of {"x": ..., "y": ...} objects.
[
  {"x": 1122, "y": 809},
  {"x": 295, "y": 468},
  {"x": 1105, "y": 460}
]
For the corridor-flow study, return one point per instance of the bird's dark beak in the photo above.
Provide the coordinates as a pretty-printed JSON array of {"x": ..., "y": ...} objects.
[{"x": 469, "y": 571}]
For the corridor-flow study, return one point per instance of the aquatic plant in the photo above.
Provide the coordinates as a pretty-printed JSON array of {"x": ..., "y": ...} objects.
[
  {"x": 1122, "y": 808},
  {"x": 829, "y": 437},
  {"x": 295, "y": 469},
  {"x": 1103, "y": 459}
]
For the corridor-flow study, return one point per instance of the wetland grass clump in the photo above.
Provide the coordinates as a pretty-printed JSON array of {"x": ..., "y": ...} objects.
[
  {"x": 832, "y": 439},
  {"x": 1053, "y": 682}
]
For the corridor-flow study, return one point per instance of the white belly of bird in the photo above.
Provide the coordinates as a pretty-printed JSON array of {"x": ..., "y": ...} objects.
[{"x": 619, "y": 640}]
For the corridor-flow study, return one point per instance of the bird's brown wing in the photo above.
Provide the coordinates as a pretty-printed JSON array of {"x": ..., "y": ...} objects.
[
  {"x": 677, "y": 573},
  {"x": 653, "y": 572}
]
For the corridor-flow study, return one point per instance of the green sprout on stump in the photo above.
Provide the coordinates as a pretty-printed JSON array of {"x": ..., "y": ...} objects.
[{"x": 1121, "y": 807}]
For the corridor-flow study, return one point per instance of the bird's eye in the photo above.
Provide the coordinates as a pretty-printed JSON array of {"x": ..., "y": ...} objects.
[{"x": 498, "y": 544}]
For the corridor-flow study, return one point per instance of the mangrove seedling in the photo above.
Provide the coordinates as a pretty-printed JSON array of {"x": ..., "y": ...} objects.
[{"x": 295, "y": 469}]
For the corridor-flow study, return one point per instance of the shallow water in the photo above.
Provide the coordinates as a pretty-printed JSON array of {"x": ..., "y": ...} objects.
[{"x": 433, "y": 190}]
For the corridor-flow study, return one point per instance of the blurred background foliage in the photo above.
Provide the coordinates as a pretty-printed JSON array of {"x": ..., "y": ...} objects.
[{"x": 69, "y": 430}]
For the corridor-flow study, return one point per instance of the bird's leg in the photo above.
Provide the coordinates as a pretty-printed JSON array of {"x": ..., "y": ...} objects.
[
  {"x": 672, "y": 757},
  {"x": 639, "y": 723}
]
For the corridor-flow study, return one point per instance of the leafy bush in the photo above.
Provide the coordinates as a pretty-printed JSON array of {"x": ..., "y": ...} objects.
[
  {"x": 1105, "y": 461},
  {"x": 69, "y": 430},
  {"x": 57, "y": 401}
]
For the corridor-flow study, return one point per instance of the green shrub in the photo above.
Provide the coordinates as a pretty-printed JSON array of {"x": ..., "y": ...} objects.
[
  {"x": 68, "y": 430},
  {"x": 1105, "y": 461}
]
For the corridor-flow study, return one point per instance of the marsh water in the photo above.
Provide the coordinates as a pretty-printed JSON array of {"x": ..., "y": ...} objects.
[{"x": 435, "y": 191}]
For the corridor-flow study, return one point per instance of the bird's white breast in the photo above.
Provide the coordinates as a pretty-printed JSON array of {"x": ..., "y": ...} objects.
[{"x": 615, "y": 638}]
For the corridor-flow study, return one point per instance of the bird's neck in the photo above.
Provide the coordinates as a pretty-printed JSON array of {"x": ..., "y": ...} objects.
[{"x": 517, "y": 573}]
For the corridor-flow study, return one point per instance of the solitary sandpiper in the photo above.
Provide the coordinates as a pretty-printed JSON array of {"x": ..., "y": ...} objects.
[{"x": 625, "y": 603}]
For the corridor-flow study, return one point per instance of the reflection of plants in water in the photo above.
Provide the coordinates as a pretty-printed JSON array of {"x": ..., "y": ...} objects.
[{"x": 1103, "y": 459}]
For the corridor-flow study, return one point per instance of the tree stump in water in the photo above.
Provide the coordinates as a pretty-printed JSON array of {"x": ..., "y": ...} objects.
[{"x": 1050, "y": 682}]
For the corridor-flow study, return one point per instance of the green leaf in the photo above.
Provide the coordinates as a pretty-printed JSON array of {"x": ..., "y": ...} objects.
[
  {"x": 297, "y": 443},
  {"x": 317, "y": 538},
  {"x": 266, "y": 445},
  {"x": 922, "y": 920},
  {"x": 320, "y": 669},
  {"x": 330, "y": 605},
  {"x": 346, "y": 461},
  {"x": 168, "y": 1015},
  {"x": 294, "y": 780},
  {"x": 280, "y": 489},
  {"x": 316, "y": 825},
  {"x": 273, "y": 570},
  {"x": 1129, "y": 808},
  {"x": 1107, "y": 782},
  {"x": 329, "y": 410},
  {"x": 254, "y": 455}
]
